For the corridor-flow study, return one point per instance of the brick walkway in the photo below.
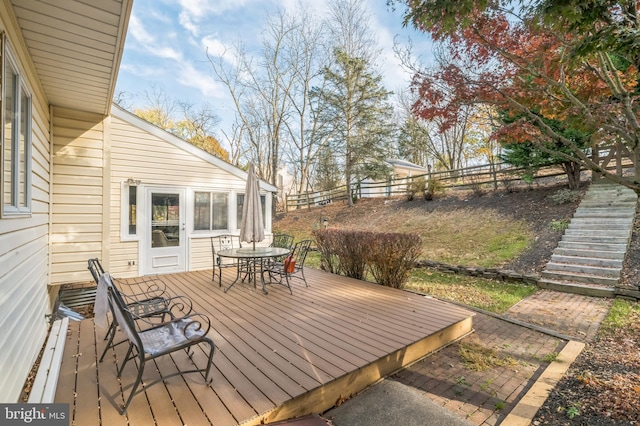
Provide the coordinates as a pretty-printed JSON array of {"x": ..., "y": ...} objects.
[{"x": 486, "y": 397}]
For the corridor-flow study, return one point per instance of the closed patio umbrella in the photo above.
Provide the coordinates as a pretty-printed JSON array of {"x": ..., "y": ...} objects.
[{"x": 252, "y": 226}]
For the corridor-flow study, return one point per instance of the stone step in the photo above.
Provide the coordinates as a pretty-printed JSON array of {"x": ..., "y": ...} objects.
[
  {"x": 601, "y": 291},
  {"x": 577, "y": 278},
  {"x": 618, "y": 202},
  {"x": 604, "y": 212},
  {"x": 602, "y": 254},
  {"x": 592, "y": 239},
  {"x": 593, "y": 246},
  {"x": 591, "y": 261},
  {"x": 570, "y": 268},
  {"x": 600, "y": 225},
  {"x": 612, "y": 221},
  {"x": 598, "y": 232}
]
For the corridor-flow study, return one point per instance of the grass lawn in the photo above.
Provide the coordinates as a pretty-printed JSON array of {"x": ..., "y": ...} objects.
[
  {"x": 471, "y": 232},
  {"x": 490, "y": 295}
]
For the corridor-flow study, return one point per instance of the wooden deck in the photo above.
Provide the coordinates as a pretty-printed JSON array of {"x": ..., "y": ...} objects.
[{"x": 278, "y": 356}]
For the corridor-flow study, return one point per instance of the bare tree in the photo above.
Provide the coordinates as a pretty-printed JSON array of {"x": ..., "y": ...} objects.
[
  {"x": 194, "y": 125},
  {"x": 260, "y": 90},
  {"x": 304, "y": 128}
]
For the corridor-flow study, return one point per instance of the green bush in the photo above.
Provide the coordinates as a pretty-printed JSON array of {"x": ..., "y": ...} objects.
[{"x": 389, "y": 257}]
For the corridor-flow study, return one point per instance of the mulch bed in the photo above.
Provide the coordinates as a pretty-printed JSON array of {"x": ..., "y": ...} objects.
[{"x": 602, "y": 387}]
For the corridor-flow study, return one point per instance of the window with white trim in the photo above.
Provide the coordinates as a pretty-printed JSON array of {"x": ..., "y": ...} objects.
[
  {"x": 210, "y": 211},
  {"x": 16, "y": 141}
]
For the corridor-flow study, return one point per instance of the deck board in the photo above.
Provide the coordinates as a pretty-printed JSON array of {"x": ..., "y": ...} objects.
[{"x": 278, "y": 355}]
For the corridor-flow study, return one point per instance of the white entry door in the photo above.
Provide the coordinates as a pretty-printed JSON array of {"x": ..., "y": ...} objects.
[{"x": 164, "y": 240}]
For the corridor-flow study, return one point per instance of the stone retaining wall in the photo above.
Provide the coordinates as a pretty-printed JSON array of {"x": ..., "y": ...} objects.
[{"x": 491, "y": 273}]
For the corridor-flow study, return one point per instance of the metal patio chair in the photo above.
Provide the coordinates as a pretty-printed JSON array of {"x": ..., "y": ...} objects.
[
  {"x": 291, "y": 267},
  {"x": 282, "y": 240},
  {"x": 223, "y": 242},
  {"x": 152, "y": 302},
  {"x": 158, "y": 340}
]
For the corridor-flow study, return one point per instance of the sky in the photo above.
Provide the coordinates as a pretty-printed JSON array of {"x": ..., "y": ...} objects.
[{"x": 167, "y": 41}]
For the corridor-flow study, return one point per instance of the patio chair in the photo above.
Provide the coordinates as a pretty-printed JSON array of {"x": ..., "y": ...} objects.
[
  {"x": 223, "y": 242},
  {"x": 291, "y": 267},
  {"x": 155, "y": 302},
  {"x": 282, "y": 240},
  {"x": 158, "y": 340}
]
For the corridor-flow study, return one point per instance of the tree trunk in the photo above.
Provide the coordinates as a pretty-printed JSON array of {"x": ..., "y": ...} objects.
[{"x": 572, "y": 169}]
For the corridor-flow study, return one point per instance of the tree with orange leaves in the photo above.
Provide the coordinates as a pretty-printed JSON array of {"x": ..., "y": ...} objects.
[{"x": 571, "y": 61}]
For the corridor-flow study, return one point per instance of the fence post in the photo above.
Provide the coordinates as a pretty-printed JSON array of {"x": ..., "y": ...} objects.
[{"x": 494, "y": 173}]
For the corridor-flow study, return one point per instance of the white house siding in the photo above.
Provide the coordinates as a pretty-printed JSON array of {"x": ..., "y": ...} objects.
[
  {"x": 151, "y": 157},
  {"x": 24, "y": 251},
  {"x": 77, "y": 210}
]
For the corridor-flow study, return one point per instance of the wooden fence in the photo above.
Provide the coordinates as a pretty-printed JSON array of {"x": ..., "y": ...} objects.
[
  {"x": 482, "y": 177},
  {"x": 487, "y": 176}
]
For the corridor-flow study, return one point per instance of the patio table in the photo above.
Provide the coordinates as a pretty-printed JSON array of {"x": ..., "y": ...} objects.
[{"x": 252, "y": 257}]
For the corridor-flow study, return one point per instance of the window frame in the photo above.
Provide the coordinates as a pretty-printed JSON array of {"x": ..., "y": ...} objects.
[
  {"x": 125, "y": 205},
  {"x": 211, "y": 193},
  {"x": 21, "y": 198}
]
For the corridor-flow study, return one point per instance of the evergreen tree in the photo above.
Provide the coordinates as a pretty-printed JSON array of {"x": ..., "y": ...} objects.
[{"x": 356, "y": 117}]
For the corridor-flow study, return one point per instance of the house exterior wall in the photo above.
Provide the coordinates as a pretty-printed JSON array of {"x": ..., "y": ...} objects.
[
  {"x": 77, "y": 208},
  {"x": 24, "y": 249},
  {"x": 139, "y": 151}
]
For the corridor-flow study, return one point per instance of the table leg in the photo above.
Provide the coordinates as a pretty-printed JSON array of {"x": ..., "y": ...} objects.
[
  {"x": 264, "y": 286},
  {"x": 237, "y": 277}
]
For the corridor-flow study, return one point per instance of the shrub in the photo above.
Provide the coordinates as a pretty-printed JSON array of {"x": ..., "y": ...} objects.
[
  {"x": 325, "y": 243},
  {"x": 559, "y": 225},
  {"x": 476, "y": 186},
  {"x": 565, "y": 196},
  {"x": 341, "y": 252},
  {"x": 434, "y": 188},
  {"x": 388, "y": 256},
  {"x": 392, "y": 257},
  {"x": 417, "y": 186}
]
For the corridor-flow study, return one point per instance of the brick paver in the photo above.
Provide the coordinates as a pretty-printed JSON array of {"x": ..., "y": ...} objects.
[
  {"x": 486, "y": 397},
  {"x": 570, "y": 314}
]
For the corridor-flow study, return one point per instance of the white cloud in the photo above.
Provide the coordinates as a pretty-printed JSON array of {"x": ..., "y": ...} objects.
[
  {"x": 188, "y": 24},
  {"x": 138, "y": 32},
  {"x": 141, "y": 71},
  {"x": 190, "y": 76},
  {"x": 217, "y": 49},
  {"x": 203, "y": 9}
]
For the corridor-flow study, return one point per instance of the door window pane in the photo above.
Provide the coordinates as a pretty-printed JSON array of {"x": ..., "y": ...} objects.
[{"x": 165, "y": 220}]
